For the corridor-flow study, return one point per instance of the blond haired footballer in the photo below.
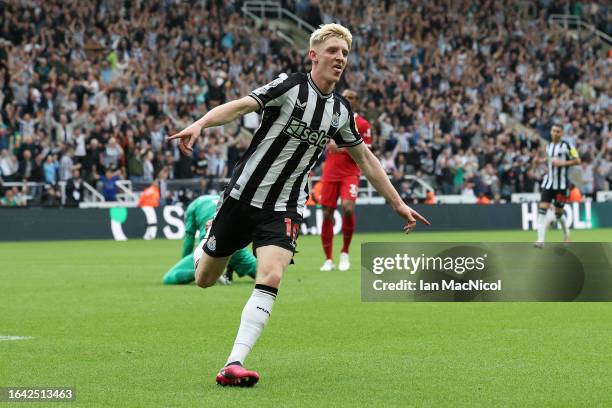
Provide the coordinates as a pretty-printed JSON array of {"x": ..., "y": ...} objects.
[{"x": 264, "y": 200}]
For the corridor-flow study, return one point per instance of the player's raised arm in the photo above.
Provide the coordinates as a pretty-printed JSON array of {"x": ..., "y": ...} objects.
[
  {"x": 217, "y": 116},
  {"x": 371, "y": 168}
]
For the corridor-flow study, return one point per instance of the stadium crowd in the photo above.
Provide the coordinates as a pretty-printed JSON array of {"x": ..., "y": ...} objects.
[{"x": 90, "y": 90}]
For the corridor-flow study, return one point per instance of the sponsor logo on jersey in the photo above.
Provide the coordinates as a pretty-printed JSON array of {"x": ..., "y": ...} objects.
[{"x": 299, "y": 130}]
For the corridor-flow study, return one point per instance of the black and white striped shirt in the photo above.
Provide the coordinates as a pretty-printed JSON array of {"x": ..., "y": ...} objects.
[
  {"x": 298, "y": 121},
  {"x": 556, "y": 178}
]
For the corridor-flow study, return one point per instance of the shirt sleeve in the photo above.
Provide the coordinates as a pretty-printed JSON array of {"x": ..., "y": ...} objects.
[
  {"x": 347, "y": 135},
  {"x": 571, "y": 152},
  {"x": 272, "y": 94}
]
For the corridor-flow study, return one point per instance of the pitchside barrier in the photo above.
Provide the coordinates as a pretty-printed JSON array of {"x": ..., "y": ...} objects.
[{"x": 19, "y": 224}]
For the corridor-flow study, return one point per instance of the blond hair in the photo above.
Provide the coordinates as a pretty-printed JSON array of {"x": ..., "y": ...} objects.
[{"x": 326, "y": 31}]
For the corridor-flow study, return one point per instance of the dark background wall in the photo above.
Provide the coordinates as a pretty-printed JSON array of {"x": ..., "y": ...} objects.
[{"x": 17, "y": 224}]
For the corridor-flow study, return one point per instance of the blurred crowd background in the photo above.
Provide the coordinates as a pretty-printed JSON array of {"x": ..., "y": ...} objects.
[{"x": 89, "y": 91}]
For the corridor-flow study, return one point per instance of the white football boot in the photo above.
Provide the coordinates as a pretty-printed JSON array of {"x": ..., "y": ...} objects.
[
  {"x": 345, "y": 262},
  {"x": 328, "y": 266}
]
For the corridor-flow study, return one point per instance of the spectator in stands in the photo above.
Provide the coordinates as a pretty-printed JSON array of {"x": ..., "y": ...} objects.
[
  {"x": 150, "y": 196},
  {"x": 4, "y": 140},
  {"x": 50, "y": 169},
  {"x": 108, "y": 183},
  {"x": 432, "y": 74},
  {"x": 27, "y": 167},
  {"x": 235, "y": 151},
  {"x": 216, "y": 169},
  {"x": 430, "y": 198},
  {"x": 157, "y": 137},
  {"x": 199, "y": 164},
  {"x": 113, "y": 154},
  {"x": 202, "y": 187},
  {"x": 603, "y": 170},
  {"x": 63, "y": 131},
  {"x": 67, "y": 165},
  {"x": 587, "y": 178},
  {"x": 135, "y": 165},
  {"x": 80, "y": 151},
  {"x": 159, "y": 162},
  {"x": 468, "y": 189},
  {"x": 170, "y": 165},
  {"x": 388, "y": 162},
  {"x": 21, "y": 195},
  {"x": 93, "y": 159},
  {"x": 490, "y": 182},
  {"x": 51, "y": 197},
  {"x": 443, "y": 171},
  {"x": 148, "y": 170},
  {"x": 406, "y": 193},
  {"x": 575, "y": 196},
  {"x": 483, "y": 199},
  {"x": 74, "y": 189},
  {"x": 313, "y": 16},
  {"x": 12, "y": 199},
  {"x": 9, "y": 165}
]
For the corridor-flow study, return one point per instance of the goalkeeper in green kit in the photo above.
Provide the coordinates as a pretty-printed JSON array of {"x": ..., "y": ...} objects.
[{"x": 199, "y": 212}]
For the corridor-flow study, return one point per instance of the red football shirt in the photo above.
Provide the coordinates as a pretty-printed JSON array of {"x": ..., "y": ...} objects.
[{"x": 340, "y": 164}]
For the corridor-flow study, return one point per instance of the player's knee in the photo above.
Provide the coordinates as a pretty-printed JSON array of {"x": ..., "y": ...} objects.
[
  {"x": 205, "y": 283},
  {"x": 348, "y": 208},
  {"x": 328, "y": 213},
  {"x": 199, "y": 280},
  {"x": 272, "y": 279},
  {"x": 204, "y": 280},
  {"x": 270, "y": 274}
]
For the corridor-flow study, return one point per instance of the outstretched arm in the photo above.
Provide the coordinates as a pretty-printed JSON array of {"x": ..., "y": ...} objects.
[
  {"x": 218, "y": 116},
  {"x": 371, "y": 168}
]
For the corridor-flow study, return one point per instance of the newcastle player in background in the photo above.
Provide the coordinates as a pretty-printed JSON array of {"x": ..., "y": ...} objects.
[
  {"x": 560, "y": 156},
  {"x": 264, "y": 200}
]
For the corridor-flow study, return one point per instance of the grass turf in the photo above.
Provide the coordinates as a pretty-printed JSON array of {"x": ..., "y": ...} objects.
[{"x": 102, "y": 322}]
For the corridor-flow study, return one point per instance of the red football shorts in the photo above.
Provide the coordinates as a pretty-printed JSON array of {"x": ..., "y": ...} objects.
[{"x": 346, "y": 189}]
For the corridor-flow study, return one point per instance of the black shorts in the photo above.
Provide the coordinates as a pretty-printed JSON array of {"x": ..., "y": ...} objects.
[
  {"x": 557, "y": 197},
  {"x": 237, "y": 224}
]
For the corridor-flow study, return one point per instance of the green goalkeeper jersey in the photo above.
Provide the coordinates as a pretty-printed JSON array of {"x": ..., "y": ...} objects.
[{"x": 198, "y": 213}]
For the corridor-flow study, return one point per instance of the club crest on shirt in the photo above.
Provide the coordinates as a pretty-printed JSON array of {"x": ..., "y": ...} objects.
[
  {"x": 335, "y": 119},
  {"x": 211, "y": 244}
]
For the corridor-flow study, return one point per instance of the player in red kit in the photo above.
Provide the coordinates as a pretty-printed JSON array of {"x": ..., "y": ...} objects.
[{"x": 341, "y": 179}]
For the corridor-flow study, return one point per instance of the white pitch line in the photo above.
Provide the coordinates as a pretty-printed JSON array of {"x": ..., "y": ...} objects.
[{"x": 7, "y": 338}]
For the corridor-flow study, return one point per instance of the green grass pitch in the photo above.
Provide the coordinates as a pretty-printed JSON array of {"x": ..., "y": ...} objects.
[{"x": 101, "y": 321}]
